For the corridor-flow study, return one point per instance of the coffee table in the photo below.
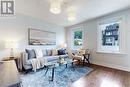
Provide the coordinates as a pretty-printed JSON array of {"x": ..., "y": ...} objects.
[{"x": 53, "y": 64}]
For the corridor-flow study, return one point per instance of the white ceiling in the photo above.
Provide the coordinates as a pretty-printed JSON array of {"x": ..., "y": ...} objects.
[{"x": 85, "y": 9}]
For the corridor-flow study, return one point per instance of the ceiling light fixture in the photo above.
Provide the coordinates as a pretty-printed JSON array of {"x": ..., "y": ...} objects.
[
  {"x": 71, "y": 15},
  {"x": 55, "y": 6}
]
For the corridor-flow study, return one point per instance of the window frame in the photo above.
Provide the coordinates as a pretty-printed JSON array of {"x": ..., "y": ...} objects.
[
  {"x": 72, "y": 37},
  {"x": 122, "y": 30}
]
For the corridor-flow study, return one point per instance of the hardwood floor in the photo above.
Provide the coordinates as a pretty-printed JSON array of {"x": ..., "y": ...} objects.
[{"x": 104, "y": 77}]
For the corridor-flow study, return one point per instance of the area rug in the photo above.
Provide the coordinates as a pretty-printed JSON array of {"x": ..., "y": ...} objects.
[{"x": 63, "y": 77}]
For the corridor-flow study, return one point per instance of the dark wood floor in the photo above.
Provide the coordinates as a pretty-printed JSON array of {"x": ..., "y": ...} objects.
[{"x": 104, "y": 77}]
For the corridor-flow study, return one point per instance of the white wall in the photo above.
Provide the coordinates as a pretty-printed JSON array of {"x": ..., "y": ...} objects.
[
  {"x": 117, "y": 61},
  {"x": 16, "y": 29}
]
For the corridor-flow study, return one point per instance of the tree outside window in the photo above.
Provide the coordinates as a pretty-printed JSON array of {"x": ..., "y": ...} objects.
[{"x": 78, "y": 36}]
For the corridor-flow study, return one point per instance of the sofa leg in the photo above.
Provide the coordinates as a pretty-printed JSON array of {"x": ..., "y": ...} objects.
[{"x": 27, "y": 71}]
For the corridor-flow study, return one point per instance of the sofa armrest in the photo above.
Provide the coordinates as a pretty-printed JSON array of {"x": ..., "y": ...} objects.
[{"x": 24, "y": 56}]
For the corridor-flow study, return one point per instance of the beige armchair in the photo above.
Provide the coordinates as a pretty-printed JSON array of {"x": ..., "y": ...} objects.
[
  {"x": 86, "y": 53},
  {"x": 75, "y": 57}
]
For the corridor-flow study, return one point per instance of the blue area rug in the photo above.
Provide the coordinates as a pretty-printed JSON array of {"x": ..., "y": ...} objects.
[{"x": 63, "y": 77}]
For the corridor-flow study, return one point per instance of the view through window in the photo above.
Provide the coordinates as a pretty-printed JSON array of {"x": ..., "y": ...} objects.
[
  {"x": 109, "y": 36},
  {"x": 78, "y": 38}
]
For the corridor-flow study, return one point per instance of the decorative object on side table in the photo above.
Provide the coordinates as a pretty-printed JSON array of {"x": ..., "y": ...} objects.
[{"x": 11, "y": 45}]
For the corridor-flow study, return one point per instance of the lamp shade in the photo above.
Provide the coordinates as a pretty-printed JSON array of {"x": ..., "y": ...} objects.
[
  {"x": 55, "y": 6},
  {"x": 11, "y": 44},
  {"x": 63, "y": 45}
]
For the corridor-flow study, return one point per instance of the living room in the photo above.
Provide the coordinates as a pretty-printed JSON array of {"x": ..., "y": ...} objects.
[{"x": 88, "y": 39}]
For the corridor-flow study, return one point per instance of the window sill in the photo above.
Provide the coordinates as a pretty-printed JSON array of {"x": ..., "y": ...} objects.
[{"x": 110, "y": 52}]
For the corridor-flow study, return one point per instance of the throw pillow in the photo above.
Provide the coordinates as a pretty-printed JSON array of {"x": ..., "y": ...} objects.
[
  {"x": 54, "y": 52},
  {"x": 39, "y": 53},
  {"x": 81, "y": 52},
  {"x": 31, "y": 53},
  {"x": 48, "y": 52},
  {"x": 62, "y": 52},
  {"x": 44, "y": 52}
]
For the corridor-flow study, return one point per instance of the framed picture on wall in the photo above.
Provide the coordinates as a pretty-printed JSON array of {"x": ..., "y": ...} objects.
[{"x": 41, "y": 37}]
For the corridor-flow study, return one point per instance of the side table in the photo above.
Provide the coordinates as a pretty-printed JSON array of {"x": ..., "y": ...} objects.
[
  {"x": 86, "y": 58},
  {"x": 9, "y": 74},
  {"x": 14, "y": 58}
]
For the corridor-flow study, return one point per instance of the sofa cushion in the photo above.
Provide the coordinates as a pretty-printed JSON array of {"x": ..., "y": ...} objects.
[
  {"x": 44, "y": 52},
  {"x": 48, "y": 52},
  {"x": 54, "y": 52},
  {"x": 61, "y": 51},
  {"x": 51, "y": 58},
  {"x": 31, "y": 53},
  {"x": 39, "y": 53}
]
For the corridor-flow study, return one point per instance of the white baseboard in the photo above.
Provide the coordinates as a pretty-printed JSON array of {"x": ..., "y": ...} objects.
[{"x": 112, "y": 66}]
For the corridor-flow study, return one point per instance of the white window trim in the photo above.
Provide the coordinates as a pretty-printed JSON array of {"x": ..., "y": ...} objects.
[
  {"x": 72, "y": 37},
  {"x": 122, "y": 39}
]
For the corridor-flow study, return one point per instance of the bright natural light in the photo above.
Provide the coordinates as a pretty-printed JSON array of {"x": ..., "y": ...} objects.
[{"x": 109, "y": 83}]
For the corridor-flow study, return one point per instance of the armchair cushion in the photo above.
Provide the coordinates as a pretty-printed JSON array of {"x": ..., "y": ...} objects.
[
  {"x": 81, "y": 52},
  {"x": 77, "y": 57}
]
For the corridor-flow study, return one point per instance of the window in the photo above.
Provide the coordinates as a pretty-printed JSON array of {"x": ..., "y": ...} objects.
[
  {"x": 77, "y": 38},
  {"x": 110, "y": 35}
]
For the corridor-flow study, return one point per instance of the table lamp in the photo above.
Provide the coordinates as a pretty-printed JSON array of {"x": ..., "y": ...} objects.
[
  {"x": 63, "y": 45},
  {"x": 11, "y": 45}
]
